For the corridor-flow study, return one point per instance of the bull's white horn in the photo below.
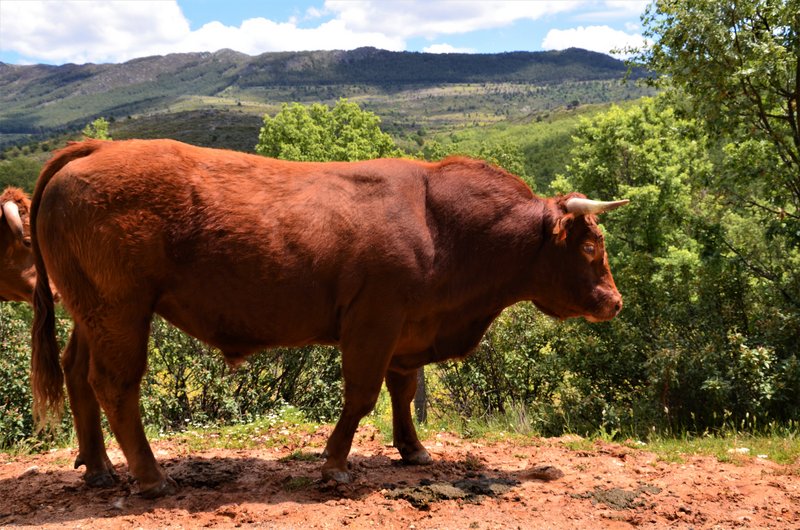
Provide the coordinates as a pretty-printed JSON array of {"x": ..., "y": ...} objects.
[
  {"x": 11, "y": 212},
  {"x": 580, "y": 206}
]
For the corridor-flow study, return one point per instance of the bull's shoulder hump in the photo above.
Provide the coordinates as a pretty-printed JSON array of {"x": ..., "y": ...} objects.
[
  {"x": 387, "y": 166},
  {"x": 465, "y": 180},
  {"x": 384, "y": 173}
]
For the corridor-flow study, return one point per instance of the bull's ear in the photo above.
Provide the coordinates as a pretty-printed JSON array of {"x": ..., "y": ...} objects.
[{"x": 562, "y": 225}]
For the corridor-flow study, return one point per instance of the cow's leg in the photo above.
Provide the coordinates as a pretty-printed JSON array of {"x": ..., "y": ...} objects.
[
  {"x": 118, "y": 361},
  {"x": 402, "y": 387},
  {"x": 367, "y": 345},
  {"x": 86, "y": 413},
  {"x": 363, "y": 376}
]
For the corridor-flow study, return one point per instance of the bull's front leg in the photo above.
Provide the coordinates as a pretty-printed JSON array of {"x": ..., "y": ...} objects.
[
  {"x": 402, "y": 386},
  {"x": 86, "y": 414},
  {"x": 362, "y": 384},
  {"x": 368, "y": 341}
]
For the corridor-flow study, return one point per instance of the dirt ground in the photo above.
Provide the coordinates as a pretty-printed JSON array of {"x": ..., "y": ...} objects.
[{"x": 543, "y": 484}]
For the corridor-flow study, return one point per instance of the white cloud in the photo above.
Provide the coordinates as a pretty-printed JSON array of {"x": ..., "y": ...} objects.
[
  {"x": 626, "y": 8},
  {"x": 423, "y": 18},
  {"x": 596, "y": 38},
  {"x": 117, "y": 30},
  {"x": 633, "y": 27},
  {"x": 103, "y": 31},
  {"x": 259, "y": 35},
  {"x": 446, "y": 48},
  {"x": 610, "y": 10},
  {"x": 312, "y": 13},
  {"x": 93, "y": 31}
]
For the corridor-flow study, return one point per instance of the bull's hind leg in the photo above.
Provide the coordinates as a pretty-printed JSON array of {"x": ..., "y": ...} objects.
[
  {"x": 402, "y": 387},
  {"x": 86, "y": 413},
  {"x": 118, "y": 346},
  {"x": 367, "y": 345}
]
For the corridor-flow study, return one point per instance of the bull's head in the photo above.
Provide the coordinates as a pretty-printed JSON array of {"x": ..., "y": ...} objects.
[
  {"x": 573, "y": 276},
  {"x": 17, "y": 274}
]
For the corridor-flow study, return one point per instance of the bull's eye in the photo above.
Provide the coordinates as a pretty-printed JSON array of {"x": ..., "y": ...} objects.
[
  {"x": 589, "y": 249},
  {"x": 27, "y": 242}
]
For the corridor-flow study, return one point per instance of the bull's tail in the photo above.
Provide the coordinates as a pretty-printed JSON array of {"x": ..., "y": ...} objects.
[{"x": 47, "y": 379}]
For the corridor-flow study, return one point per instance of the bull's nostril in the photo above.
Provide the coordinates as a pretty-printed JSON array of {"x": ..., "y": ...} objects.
[{"x": 618, "y": 306}]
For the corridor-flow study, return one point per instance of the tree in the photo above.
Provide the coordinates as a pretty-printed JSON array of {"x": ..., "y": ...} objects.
[
  {"x": 739, "y": 63},
  {"x": 20, "y": 171},
  {"x": 702, "y": 336},
  {"x": 317, "y": 132},
  {"x": 98, "y": 129},
  {"x": 651, "y": 156},
  {"x": 736, "y": 66}
]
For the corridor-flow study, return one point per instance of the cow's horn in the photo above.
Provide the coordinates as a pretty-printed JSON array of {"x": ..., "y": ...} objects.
[
  {"x": 11, "y": 211},
  {"x": 580, "y": 206}
]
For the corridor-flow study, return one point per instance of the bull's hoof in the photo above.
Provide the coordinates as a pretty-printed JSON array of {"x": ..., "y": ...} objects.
[
  {"x": 336, "y": 475},
  {"x": 166, "y": 488},
  {"x": 417, "y": 457},
  {"x": 103, "y": 479}
]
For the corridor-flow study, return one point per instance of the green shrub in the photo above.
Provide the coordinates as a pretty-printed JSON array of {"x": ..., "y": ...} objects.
[
  {"x": 16, "y": 419},
  {"x": 188, "y": 382}
]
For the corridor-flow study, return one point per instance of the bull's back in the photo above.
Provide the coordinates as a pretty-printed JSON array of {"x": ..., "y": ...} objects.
[{"x": 238, "y": 250}]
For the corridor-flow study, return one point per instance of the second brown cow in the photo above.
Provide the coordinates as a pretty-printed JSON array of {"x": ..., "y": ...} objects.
[
  {"x": 17, "y": 275},
  {"x": 401, "y": 263}
]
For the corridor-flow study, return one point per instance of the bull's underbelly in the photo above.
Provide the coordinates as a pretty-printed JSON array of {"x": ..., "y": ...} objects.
[{"x": 248, "y": 324}]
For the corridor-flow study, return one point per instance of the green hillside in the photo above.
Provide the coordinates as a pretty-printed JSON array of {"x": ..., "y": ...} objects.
[{"x": 408, "y": 90}]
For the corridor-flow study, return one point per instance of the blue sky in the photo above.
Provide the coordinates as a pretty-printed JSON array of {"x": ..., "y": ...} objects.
[{"x": 111, "y": 31}]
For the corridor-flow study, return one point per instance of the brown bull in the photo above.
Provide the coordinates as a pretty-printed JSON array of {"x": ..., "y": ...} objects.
[
  {"x": 17, "y": 274},
  {"x": 401, "y": 263}
]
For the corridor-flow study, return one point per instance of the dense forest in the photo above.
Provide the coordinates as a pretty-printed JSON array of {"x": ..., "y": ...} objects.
[{"x": 707, "y": 255}]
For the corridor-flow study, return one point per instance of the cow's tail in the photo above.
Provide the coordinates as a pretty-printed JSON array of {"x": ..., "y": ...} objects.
[{"x": 47, "y": 378}]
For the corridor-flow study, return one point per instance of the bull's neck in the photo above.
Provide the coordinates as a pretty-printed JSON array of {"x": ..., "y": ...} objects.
[
  {"x": 515, "y": 278},
  {"x": 538, "y": 220}
]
